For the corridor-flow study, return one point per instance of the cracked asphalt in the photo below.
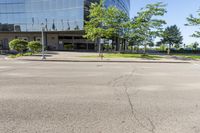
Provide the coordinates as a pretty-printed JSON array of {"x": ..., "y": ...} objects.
[{"x": 62, "y": 97}]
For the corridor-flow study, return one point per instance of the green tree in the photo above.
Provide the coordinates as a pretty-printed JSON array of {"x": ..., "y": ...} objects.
[
  {"x": 194, "y": 21},
  {"x": 18, "y": 45},
  {"x": 146, "y": 26},
  {"x": 116, "y": 24},
  {"x": 136, "y": 40},
  {"x": 172, "y": 36},
  {"x": 35, "y": 46},
  {"x": 195, "y": 45},
  {"x": 94, "y": 26},
  {"x": 110, "y": 23}
]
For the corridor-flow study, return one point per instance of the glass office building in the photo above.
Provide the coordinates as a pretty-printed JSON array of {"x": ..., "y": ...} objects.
[
  {"x": 65, "y": 16},
  {"x": 28, "y": 15},
  {"x": 123, "y": 5}
]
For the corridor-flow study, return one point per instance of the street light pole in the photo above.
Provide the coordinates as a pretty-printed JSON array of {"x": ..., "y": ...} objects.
[{"x": 43, "y": 47}]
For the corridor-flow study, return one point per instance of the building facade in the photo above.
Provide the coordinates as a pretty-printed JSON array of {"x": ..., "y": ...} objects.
[{"x": 63, "y": 21}]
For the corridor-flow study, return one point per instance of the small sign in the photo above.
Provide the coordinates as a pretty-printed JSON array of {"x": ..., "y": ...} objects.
[
  {"x": 110, "y": 42},
  {"x": 101, "y": 41},
  {"x": 60, "y": 42}
]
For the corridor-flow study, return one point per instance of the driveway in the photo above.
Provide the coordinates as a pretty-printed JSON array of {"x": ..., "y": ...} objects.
[
  {"x": 61, "y": 97},
  {"x": 2, "y": 57}
]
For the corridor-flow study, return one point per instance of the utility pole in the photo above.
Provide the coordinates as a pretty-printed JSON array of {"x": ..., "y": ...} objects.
[{"x": 43, "y": 47}]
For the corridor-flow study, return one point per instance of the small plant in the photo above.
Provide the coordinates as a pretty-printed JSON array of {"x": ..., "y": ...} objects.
[
  {"x": 18, "y": 45},
  {"x": 28, "y": 54},
  {"x": 15, "y": 56},
  {"x": 34, "y": 46}
]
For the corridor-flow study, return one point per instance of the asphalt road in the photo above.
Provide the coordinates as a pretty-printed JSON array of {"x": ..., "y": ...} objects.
[
  {"x": 60, "y": 97},
  {"x": 2, "y": 57}
]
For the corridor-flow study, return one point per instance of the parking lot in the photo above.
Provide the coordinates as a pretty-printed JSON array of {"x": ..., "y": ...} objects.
[{"x": 97, "y": 97}]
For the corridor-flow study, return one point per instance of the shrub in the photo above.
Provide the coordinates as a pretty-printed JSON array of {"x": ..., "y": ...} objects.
[
  {"x": 107, "y": 47},
  {"x": 18, "y": 45},
  {"x": 68, "y": 46},
  {"x": 34, "y": 46}
]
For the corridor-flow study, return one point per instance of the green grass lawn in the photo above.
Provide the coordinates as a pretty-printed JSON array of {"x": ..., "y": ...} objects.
[
  {"x": 194, "y": 57},
  {"x": 19, "y": 55},
  {"x": 126, "y": 56}
]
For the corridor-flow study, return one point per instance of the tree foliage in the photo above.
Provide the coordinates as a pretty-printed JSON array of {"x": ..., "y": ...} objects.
[
  {"x": 35, "y": 46},
  {"x": 146, "y": 25},
  {"x": 105, "y": 22},
  {"x": 172, "y": 36},
  {"x": 93, "y": 27},
  {"x": 195, "y": 45},
  {"x": 18, "y": 45},
  {"x": 113, "y": 23},
  {"x": 194, "y": 21},
  {"x": 116, "y": 22}
]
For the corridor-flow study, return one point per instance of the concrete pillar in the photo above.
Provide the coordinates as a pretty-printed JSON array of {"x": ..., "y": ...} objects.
[
  {"x": 87, "y": 46},
  {"x": 73, "y": 43}
]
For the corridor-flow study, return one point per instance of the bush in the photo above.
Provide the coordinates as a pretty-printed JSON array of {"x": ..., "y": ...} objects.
[
  {"x": 107, "y": 47},
  {"x": 18, "y": 45},
  {"x": 15, "y": 56},
  {"x": 35, "y": 46},
  {"x": 68, "y": 47}
]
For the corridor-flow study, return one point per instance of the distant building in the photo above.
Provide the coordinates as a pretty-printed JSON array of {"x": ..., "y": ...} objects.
[{"x": 63, "y": 21}]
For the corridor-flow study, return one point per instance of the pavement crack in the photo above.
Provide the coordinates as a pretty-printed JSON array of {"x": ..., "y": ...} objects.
[
  {"x": 153, "y": 127},
  {"x": 129, "y": 100},
  {"x": 123, "y": 81},
  {"x": 115, "y": 81},
  {"x": 133, "y": 110},
  {"x": 134, "y": 114}
]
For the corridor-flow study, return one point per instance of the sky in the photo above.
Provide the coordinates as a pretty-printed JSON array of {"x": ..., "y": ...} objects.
[{"x": 177, "y": 12}]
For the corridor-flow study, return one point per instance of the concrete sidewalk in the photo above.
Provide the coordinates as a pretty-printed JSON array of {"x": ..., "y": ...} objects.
[{"x": 55, "y": 56}]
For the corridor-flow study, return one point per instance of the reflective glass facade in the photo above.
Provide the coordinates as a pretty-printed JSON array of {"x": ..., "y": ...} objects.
[
  {"x": 54, "y": 15},
  {"x": 123, "y": 5},
  {"x": 29, "y": 15}
]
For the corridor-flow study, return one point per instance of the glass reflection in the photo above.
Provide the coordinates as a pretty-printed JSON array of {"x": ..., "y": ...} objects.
[
  {"x": 57, "y": 15},
  {"x": 27, "y": 15}
]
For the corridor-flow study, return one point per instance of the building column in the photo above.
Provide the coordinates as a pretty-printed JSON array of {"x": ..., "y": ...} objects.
[
  {"x": 87, "y": 46},
  {"x": 73, "y": 43}
]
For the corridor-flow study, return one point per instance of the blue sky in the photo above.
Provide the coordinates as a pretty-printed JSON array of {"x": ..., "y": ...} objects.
[{"x": 178, "y": 10}]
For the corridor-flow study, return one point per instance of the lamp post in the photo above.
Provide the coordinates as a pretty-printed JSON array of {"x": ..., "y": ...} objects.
[
  {"x": 100, "y": 48},
  {"x": 43, "y": 47}
]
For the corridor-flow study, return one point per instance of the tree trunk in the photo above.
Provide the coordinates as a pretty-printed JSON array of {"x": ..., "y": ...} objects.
[
  {"x": 122, "y": 45},
  {"x": 138, "y": 47},
  {"x": 99, "y": 46},
  {"x": 112, "y": 49},
  {"x": 124, "y": 41},
  {"x": 117, "y": 44},
  {"x": 145, "y": 48},
  {"x": 131, "y": 48},
  {"x": 169, "y": 47}
]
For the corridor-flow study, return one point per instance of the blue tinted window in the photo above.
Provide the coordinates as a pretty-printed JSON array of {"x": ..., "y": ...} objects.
[
  {"x": 123, "y": 5},
  {"x": 28, "y": 15},
  {"x": 55, "y": 15}
]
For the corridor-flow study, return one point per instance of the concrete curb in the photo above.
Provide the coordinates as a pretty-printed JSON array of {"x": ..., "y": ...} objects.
[{"x": 106, "y": 61}]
